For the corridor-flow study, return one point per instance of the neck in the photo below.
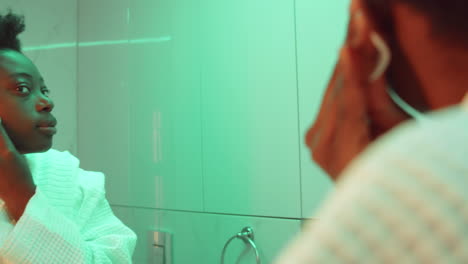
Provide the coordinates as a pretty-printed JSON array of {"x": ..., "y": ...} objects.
[{"x": 427, "y": 72}]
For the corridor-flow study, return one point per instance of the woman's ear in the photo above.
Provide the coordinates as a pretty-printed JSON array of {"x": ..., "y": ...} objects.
[
  {"x": 383, "y": 56},
  {"x": 363, "y": 33}
]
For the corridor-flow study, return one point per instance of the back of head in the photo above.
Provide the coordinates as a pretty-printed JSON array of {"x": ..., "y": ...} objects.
[
  {"x": 448, "y": 18},
  {"x": 11, "y": 25}
]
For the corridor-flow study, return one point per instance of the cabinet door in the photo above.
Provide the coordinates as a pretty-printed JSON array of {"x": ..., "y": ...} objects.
[
  {"x": 321, "y": 29},
  {"x": 249, "y": 108},
  {"x": 165, "y": 126}
]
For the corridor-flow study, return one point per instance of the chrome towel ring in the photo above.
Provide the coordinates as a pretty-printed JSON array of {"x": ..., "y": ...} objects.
[{"x": 247, "y": 235}]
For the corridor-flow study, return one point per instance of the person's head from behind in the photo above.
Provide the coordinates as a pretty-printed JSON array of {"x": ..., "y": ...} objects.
[
  {"x": 428, "y": 40},
  {"x": 419, "y": 48},
  {"x": 25, "y": 108}
]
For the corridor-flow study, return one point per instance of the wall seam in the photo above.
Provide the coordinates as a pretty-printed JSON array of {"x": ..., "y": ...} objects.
[
  {"x": 77, "y": 54},
  {"x": 298, "y": 107},
  {"x": 208, "y": 213}
]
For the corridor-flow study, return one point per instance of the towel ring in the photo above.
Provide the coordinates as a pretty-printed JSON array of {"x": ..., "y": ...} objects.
[{"x": 247, "y": 235}]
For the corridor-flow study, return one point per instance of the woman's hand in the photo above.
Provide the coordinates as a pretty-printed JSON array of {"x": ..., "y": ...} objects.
[
  {"x": 356, "y": 108},
  {"x": 16, "y": 183}
]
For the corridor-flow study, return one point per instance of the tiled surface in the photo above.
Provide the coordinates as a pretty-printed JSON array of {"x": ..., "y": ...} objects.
[
  {"x": 319, "y": 37},
  {"x": 165, "y": 125},
  {"x": 104, "y": 120},
  {"x": 104, "y": 94},
  {"x": 200, "y": 117},
  {"x": 199, "y": 87},
  {"x": 103, "y": 20},
  {"x": 199, "y": 238},
  {"x": 212, "y": 121},
  {"x": 249, "y": 108},
  {"x": 153, "y": 18},
  {"x": 125, "y": 214}
]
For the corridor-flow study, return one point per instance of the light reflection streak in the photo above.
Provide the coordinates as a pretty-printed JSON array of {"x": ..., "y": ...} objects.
[{"x": 98, "y": 43}]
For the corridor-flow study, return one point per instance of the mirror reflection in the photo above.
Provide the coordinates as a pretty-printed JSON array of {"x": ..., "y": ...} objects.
[{"x": 248, "y": 131}]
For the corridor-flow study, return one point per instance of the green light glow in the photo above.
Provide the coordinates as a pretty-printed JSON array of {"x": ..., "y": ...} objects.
[
  {"x": 52, "y": 46},
  {"x": 98, "y": 43},
  {"x": 150, "y": 40}
]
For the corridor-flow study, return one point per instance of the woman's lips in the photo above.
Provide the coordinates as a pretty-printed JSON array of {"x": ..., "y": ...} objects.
[{"x": 48, "y": 130}]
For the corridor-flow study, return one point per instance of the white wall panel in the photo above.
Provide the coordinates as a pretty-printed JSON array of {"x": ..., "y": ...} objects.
[
  {"x": 104, "y": 120},
  {"x": 164, "y": 72},
  {"x": 250, "y": 124},
  {"x": 200, "y": 237},
  {"x": 321, "y": 29},
  {"x": 103, "y": 94},
  {"x": 103, "y": 20}
]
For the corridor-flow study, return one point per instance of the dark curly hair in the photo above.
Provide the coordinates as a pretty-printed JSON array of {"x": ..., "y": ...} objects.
[
  {"x": 11, "y": 25},
  {"x": 448, "y": 17}
]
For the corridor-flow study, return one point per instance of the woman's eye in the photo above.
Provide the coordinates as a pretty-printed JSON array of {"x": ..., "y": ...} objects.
[
  {"x": 23, "y": 89},
  {"x": 46, "y": 92}
]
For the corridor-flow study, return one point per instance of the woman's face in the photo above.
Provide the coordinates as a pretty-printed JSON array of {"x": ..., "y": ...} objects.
[{"x": 25, "y": 108}]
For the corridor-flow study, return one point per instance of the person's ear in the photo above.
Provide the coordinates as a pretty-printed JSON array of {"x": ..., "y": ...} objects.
[
  {"x": 361, "y": 32},
  {"x": 383, "y": 58}
]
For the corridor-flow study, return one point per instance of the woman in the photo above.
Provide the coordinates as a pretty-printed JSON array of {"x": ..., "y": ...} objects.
[
  {"x": 401, "y": 195},
  {"x": 51, "y": 210}
]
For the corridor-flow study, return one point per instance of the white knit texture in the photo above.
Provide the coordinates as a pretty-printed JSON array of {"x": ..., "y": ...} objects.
[
  {"x": 68, "y": 220},
  {"x": 403, "y": 201}
]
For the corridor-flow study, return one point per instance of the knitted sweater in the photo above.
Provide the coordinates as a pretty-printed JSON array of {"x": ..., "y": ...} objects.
[
  {"x": 68, "y": 220},
  {"x": 403, "y": 201}
]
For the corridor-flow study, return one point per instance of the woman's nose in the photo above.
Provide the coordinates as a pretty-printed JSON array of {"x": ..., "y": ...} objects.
[{"x": 45, "y": 104}]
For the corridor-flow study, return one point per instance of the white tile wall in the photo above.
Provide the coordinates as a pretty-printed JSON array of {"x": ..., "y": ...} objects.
[
  {"x": 104, "y": 117},
  {"x": 249, "y": 93},
  {"x": 164, "y": 76},
  {"x": 200, "y": 237},
  {"x": 103, "y": 20},
  {"x": 125, "y": 214},
  {"x": 197, "y": 111},
  {"x": 198, "y": 114},
  {"x": 321, "y": 29}
]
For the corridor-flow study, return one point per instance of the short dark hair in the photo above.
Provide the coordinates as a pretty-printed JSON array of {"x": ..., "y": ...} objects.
[
  {"x": 11, "y": 25},
  {"x": 448, "y": 17}
]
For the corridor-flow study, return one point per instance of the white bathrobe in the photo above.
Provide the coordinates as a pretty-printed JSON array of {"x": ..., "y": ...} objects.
[
  {"x": 405, "y": 200},
  {"x": 68, "y": 220}
]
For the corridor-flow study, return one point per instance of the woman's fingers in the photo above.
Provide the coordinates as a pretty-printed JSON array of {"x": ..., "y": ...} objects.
[
  {"x": 355, "y": 109},
  {"x": 324, "y": 136},
  {"x": 340, "y": 130},
  {"x": 6, "y": 145},
  {"x": 352, "y": 135},
  {"x": 324, "y": 122}
]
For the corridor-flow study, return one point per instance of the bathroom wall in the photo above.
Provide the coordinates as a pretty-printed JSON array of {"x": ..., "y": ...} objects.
[
  {"x": 195, "y": 110},
  {"x": 320, "y": 32}
]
